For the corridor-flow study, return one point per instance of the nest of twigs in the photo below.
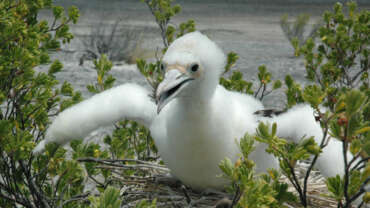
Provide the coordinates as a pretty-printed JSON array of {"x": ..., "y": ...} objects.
[
  {"x": 316, "y": 191},
  {"x": 153, "y": 181}
]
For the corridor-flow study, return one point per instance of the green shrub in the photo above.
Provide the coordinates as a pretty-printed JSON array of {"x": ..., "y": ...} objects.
[
  {"x": 109, "y": 199},
  {"x": 236, "y": 82},
  {"x": 28, "y": 99},
  {"x": 163, "y": 11},
  {"x": 338, "y": 65},
  {"x": 251, "y": 190},
  {"x": 296, "y": 31},
  {"x": 338, "y": 68}
]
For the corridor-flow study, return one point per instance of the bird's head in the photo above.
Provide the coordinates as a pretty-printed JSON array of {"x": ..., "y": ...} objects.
[{"x": 192, "y": 66}]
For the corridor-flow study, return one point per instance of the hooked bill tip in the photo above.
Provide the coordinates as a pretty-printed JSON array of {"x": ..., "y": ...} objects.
[
  {"x": 168, "y": 89},
  {"x": 161, "y": 102}
]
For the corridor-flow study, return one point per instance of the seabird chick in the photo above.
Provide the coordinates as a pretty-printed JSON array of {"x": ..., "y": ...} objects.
[{"x": 195, "y": 122}]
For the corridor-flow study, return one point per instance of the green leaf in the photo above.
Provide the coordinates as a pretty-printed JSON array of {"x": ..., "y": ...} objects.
[
  {"x": 311, "y": 146},
  {"x": 354, "y": 100},
  {"x": 108, "y": 83},
  {"x": 274, "y": 129},
  {"x": 5, "y": 127},
  {"x": 363, "y": 130},
  {"x": 355, "y": 182},
  {"x": 231, "y": 60},
  {"x": 335, "y": 130},
  {"x": 263, "y": 131},
  {"x": 146, "y": 204},
  {"x": 58, "y": 11},
  {"x": 246, "y": 145},
  {"x": 67, "y": 89},
  {"x": 355, "y": 147},
  {"x": 227, "y": 167},
  {"x": 277, "y": 84},
  {"x": 109, "y": 199},
  {"x": 314, "y": 95},
  {"x": 336, "y": 187},
  {"x": 73, "y": 14},
  {"x": 55, "y": 67}
]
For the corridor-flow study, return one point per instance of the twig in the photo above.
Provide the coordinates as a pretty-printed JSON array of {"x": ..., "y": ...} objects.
[
  {"x": 110, "y": 162},
  {"x": 296, "y": 184},
  {"x": 162, "y": 24},
  {"x": 91, "y": 159},
  {"x": 346, "y": 167},
  {"x": 320, "y": 198},
  {"x": 95, "y": 180},
  {"x": 147, "y": 139},
  {"x": 308, "y": 172},
  {"x": 359, "y": 163},
  {"x": 259, "y": 88},
  {"x": 236, "y": 197},
  {"x": 359, "y": 193},
  {"x": 75, "y": 198},
  {"x": 353, "y": 160},
  {"x": 133, "y": 181},
  {"x": 187, "y": 197},
  {"x": 16, "y": 200},
  {"x": 33, "y": 187}
]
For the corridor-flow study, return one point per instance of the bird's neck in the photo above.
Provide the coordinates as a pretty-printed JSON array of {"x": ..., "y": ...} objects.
[
  {"x": 196, "y": 104},
  {"x": 199, "y": 101}
]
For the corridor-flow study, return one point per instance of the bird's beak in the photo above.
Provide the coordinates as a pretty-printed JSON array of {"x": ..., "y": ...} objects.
[{"x": 172, "y": 84}]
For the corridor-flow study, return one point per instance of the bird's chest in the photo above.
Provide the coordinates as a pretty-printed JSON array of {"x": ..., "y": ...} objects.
[
  {"x": 194, "y": 146},
  {"x": 195, "y": 130},
  {"x": 195, "y": 136}
]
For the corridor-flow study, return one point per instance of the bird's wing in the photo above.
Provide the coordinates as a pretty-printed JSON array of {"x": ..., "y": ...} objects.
[
  {"x": 127, "y": 101},
  {"x": 300, "y": 122}
]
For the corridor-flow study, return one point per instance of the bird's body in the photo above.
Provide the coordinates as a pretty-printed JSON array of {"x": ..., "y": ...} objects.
[
  {"x": 193, "y": 137},
  {"x": 196, "y": 122}
]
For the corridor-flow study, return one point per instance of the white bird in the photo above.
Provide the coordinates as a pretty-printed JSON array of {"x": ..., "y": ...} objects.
[{"x": 196, "y": 122}]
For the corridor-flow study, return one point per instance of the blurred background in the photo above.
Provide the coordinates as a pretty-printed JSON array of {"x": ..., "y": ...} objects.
[{"x": 125, "y": 30}]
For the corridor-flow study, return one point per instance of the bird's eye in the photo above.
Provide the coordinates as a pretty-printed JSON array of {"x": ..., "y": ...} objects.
[
  {"x": 194, "y": 67},
  {"x": 161, "y": 66}
]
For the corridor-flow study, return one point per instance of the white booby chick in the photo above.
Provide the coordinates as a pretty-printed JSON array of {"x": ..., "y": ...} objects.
[{"x": 196, "y": 122}]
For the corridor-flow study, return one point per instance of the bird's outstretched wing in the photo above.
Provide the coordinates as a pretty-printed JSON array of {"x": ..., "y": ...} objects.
[
  {"x": 127, "y": 101},
  {"x": 300, "y": 122}
]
